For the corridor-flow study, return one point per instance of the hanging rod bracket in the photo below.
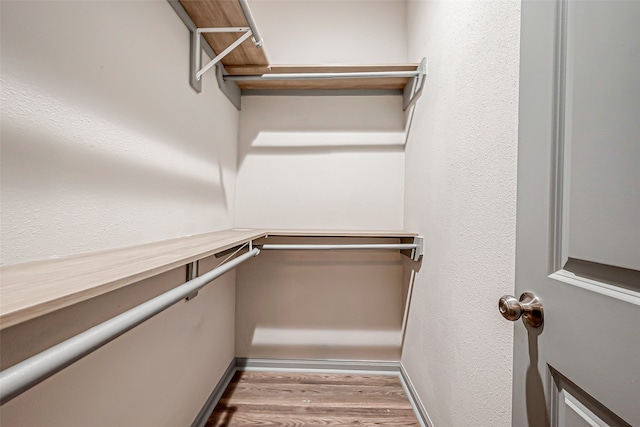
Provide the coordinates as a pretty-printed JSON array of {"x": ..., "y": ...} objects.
[
  {"x": 413, "y": 89},
  {"x": 246, "y": 10},
  {"x": 417, "y": 252}
]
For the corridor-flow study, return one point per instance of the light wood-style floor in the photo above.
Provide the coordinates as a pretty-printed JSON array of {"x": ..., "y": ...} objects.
[{"x": 297, "y": 400}]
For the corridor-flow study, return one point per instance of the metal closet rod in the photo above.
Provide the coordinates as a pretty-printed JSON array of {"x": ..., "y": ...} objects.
[
  {"x": 318, "y": 76},
  {"x": 26, "y": 374},
  {"x": 339, "y": 247},
  {"x": 244, "y": 4}
]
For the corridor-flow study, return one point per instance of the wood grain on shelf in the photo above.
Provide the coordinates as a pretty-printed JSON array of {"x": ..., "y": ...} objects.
[
  {"x": 36, "y": 288},
  {"x": 391, "y": 83},
  {"x": 225, "y": 13},
  {"x": 296, "y": 399}
]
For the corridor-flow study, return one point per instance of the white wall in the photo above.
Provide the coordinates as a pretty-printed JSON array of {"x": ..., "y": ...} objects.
[
  {"x": 158, "y": 374},
  {"x": 104, "y": 144},
  {"x": 321, "y": 162},
  {"x": 461, "y": 195},
  {"x": 332, "y": 32},
  {"x": 345, "y": 305},
  {"x": 326, "y": 163}
]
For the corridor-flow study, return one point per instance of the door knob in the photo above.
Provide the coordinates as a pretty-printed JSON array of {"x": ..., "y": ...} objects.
[{"x": 528, "y": 307}]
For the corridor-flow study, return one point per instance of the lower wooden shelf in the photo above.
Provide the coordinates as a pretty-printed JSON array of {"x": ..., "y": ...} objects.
[{"x": 34, "y": 289}]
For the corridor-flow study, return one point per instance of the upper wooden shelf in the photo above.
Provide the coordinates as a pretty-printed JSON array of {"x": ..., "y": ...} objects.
[
  {"x": 211, "y": 17},
  {"x": 219, "y": 14},
  {"x": 34, "y": 289}
]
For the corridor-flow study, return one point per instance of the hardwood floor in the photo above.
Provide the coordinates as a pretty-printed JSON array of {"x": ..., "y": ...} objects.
[{"x": 296, "y": 400}]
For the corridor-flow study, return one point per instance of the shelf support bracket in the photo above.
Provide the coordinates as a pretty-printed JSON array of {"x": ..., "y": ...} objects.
[
  {"x": 413, "y": 89},
  {"x": 192, "y": 273},
  {"x": 230, "y": 89},
  {"x": 247, "y": 33}
]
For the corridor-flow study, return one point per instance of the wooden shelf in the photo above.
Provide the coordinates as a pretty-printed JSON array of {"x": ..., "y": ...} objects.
[
  {"x": 34, "y": 289},
  {"x": 386, "y": 83},
  {"x": 249, "y": 60},
  {"x": 225, "y": 13}
]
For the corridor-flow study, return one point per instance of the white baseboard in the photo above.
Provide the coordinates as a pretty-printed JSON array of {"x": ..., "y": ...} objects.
[
  {"x": 418, "y": 406},
  {"x": 312, "y": 365},
  {"x": 214, "y": 398}
]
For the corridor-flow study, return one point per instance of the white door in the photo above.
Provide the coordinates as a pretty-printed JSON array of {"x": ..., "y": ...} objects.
[{"x": 578, "y": 223}]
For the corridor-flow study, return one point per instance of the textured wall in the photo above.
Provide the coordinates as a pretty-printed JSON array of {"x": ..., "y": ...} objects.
[
  {"x": 332, "y": 32},
  {"x": 324, "y": 162},
  {"x": 104, "y": 144},
  {"x": 158, "y": 374},
  {"x": 461, "y": 195},
  {"x": 328, "y": 163},
  {"x": 321, "y": 162},
  {"x": 320, "y": 304}
]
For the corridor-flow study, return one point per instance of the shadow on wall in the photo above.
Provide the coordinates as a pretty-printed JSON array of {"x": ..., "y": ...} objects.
[
  {"x": 127, "y": 75},
  {"x": 173, "y": 360},
  {"x": 104, "y": 144},
  {"x": 74, "y": 182},
  {"x": 28, "y": 338},
  {"x": 48, "y": 141},
  {"x": 320, "y": 125},
  {"x": 321, "y": 162},
  {"x": 50, "y": 164},
  {"x": 347, "y": 305}
]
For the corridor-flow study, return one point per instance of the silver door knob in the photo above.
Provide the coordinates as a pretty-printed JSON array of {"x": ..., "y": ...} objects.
[{"x": 528, "y": 307}]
